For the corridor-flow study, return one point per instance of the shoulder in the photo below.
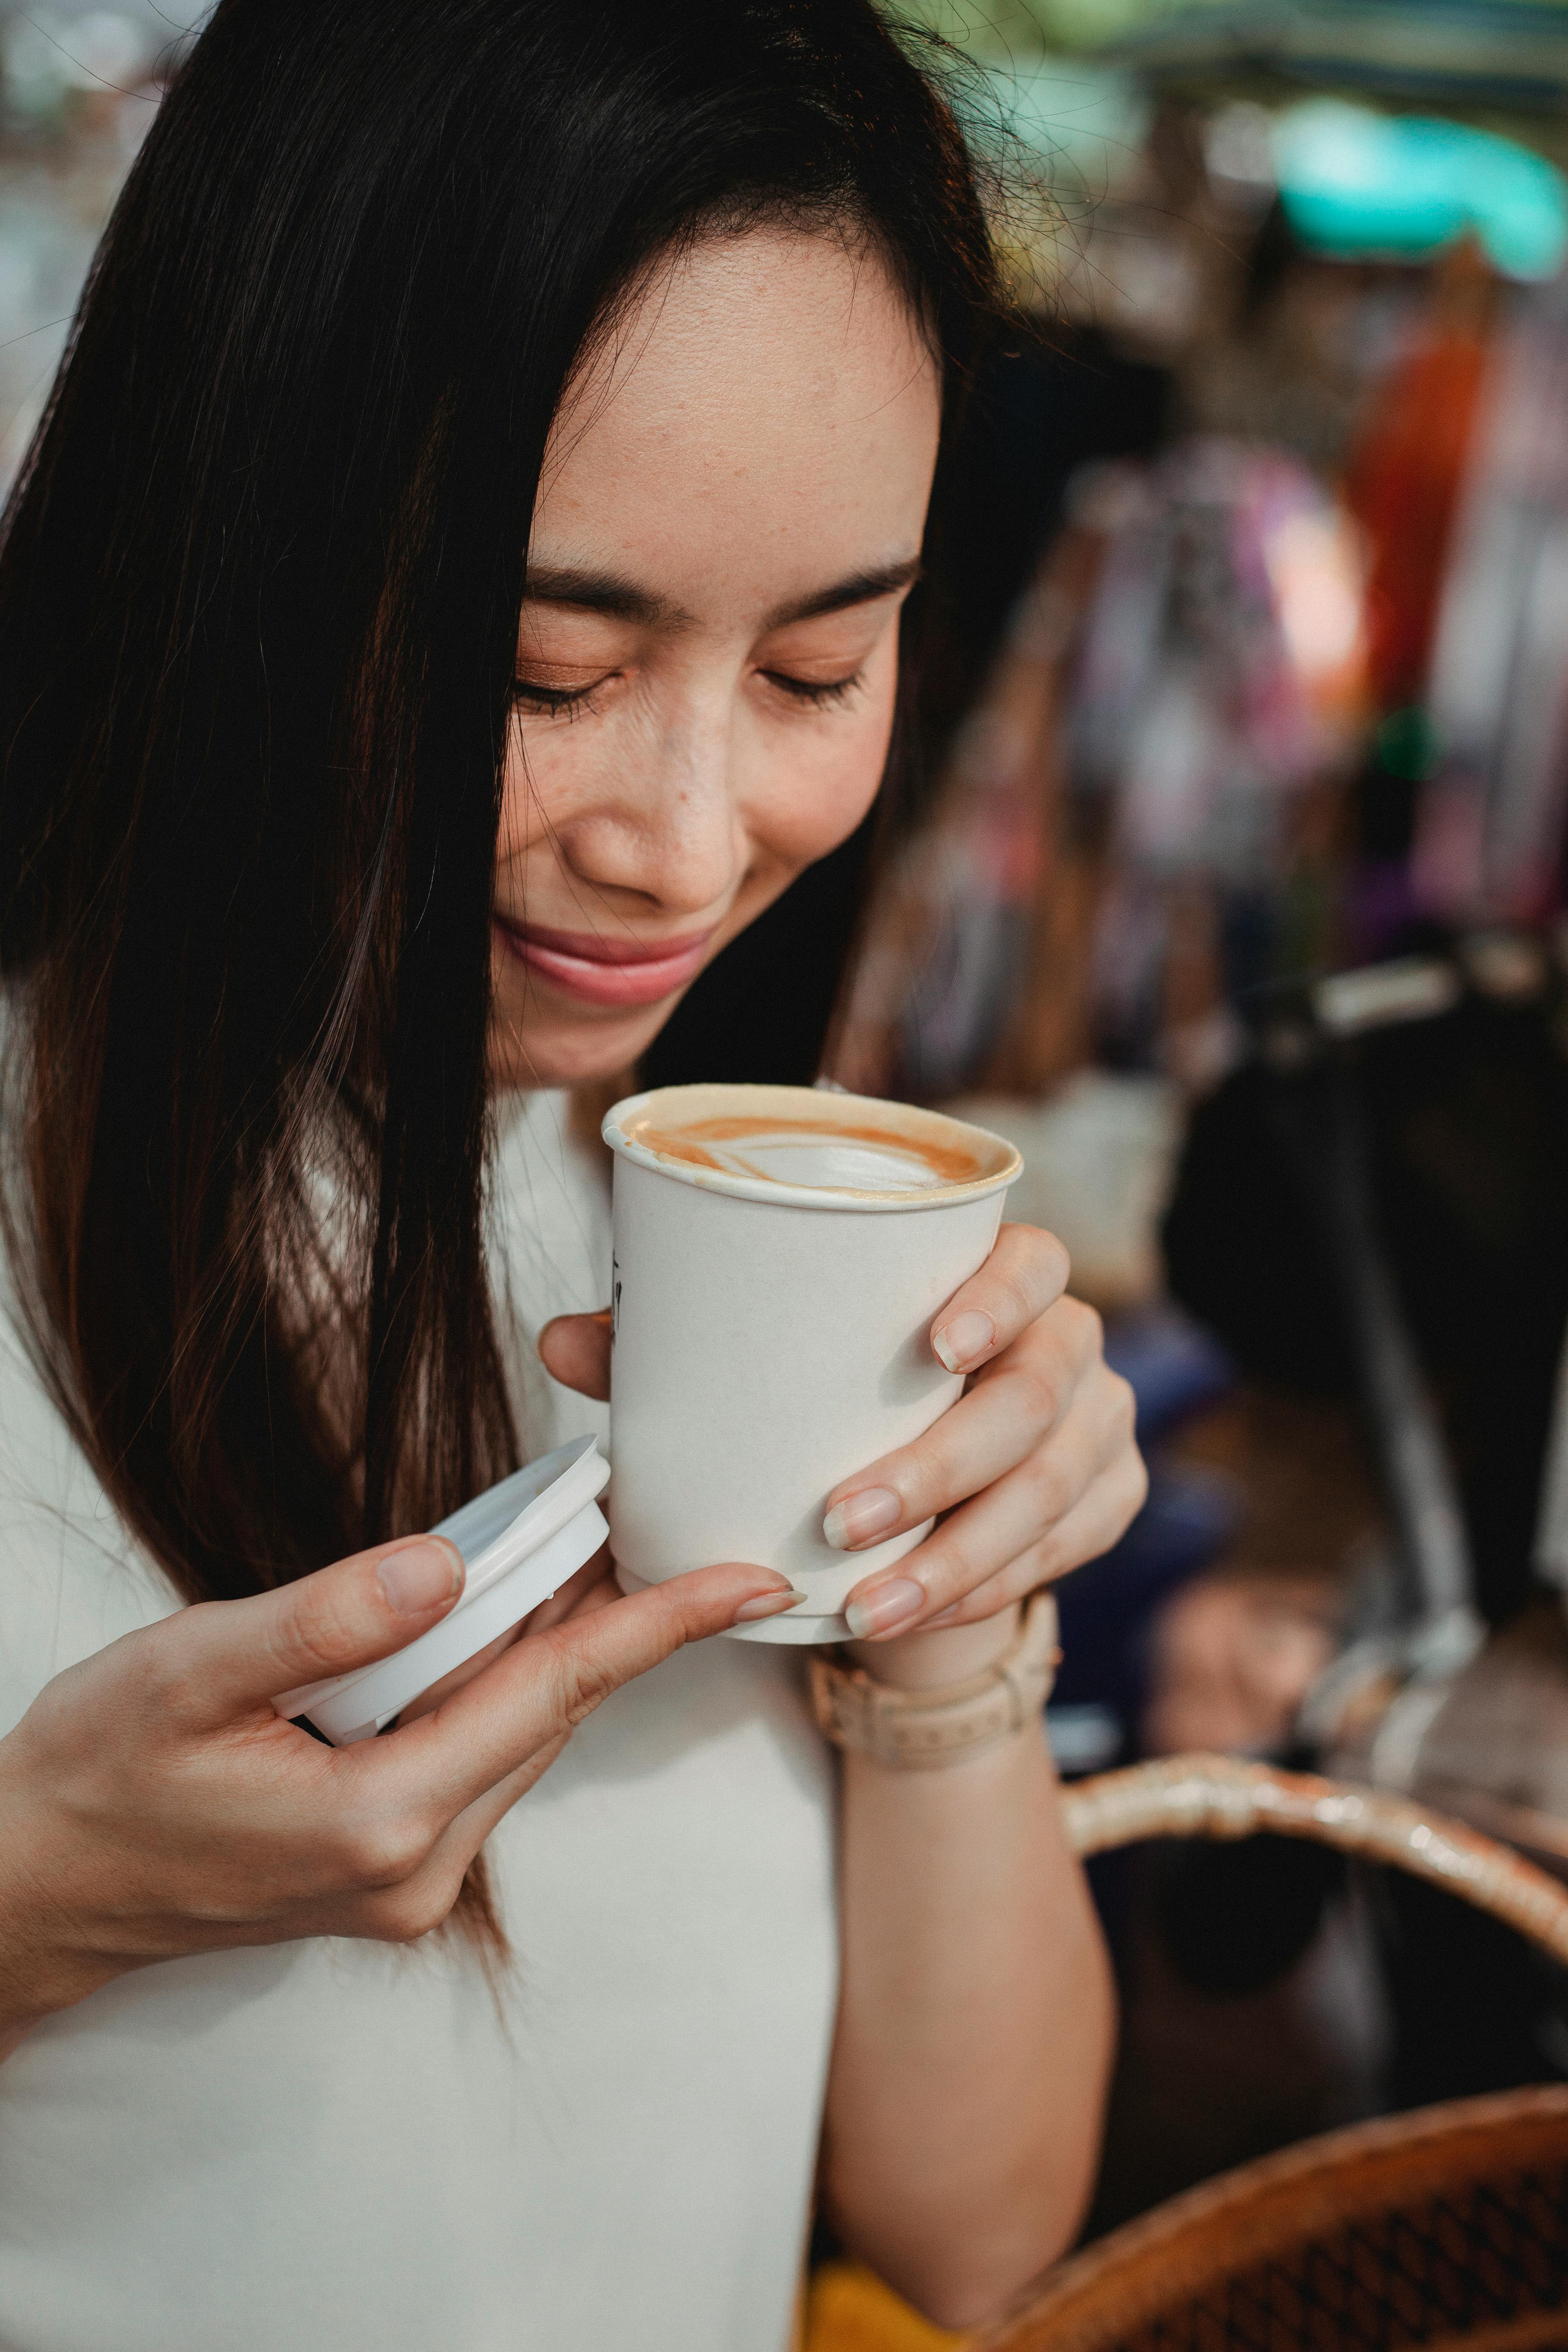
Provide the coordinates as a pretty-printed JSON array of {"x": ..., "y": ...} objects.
[
  {"x": 549, "y": 1250},
  {"x": 551, "y": 1194}
]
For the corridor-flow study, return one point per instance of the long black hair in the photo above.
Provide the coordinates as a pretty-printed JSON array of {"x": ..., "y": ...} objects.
[{"x": 259, "y": 598}]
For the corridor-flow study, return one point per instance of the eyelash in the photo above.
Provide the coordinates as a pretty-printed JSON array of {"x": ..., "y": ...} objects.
[
  {"x": 550, "y": 701},
  {"x": 822, "y": 698},
  {"x": 555, "y": 703}
]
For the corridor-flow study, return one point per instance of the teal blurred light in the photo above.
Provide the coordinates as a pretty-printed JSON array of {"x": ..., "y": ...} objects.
[{"x": 1360, "y": 186}]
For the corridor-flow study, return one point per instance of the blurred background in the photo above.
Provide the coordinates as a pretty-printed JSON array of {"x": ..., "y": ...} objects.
[
  {"x": 1235, "y": 895},
  {"x": 1233, "y": 891}
]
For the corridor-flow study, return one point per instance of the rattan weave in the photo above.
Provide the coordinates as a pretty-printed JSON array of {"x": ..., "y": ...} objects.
[{"x": 1446, "y": 2229}]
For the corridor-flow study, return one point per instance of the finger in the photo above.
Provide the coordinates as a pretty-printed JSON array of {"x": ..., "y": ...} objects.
[
  {"x": 395, "y": 1870},
  {"x": 424, "y": 1899},
  {"x": 976, "y": 1541},
  {"x": 1020, "y": 1397},
  {"x": 598, "y": 1574},
  {"x": 595, "y": 1597},
  {"x": 222, "y": 1657},
  {"x": 410, "y": 1889},
  {"x": 1025, "y": 1274},
  {"x": 575, "y": 1350},
  {"x": 465, "y": 1835},
  {"x": 544, "y": 1686},
  {"x": 598, "y": 1570},
  {"x": 1099, "y": 1520},
  {"x": 565, "y": 1603},
  {"x": 456, "y": 1847},
  {"x": 429, "y": 1700}
]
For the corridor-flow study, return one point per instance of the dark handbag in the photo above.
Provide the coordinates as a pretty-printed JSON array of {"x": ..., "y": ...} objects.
[{"x": 1447, "y": 1138}]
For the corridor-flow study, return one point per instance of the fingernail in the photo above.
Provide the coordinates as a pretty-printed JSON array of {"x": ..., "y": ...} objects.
[
  {"x": 860, "y": 1517},
  {"x": 964, "y": 1340},
  {"x": 421, "y": 1577},
  {"x": 888, "y": 1607},
  {"x": 766, "y": 1604}
]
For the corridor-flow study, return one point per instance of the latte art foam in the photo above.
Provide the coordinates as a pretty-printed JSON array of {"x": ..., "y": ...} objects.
[{"x": 809, "y": 1156}]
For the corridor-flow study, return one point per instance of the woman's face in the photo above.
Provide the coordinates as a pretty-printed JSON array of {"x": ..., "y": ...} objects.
[{"x": 729, "y": 520}]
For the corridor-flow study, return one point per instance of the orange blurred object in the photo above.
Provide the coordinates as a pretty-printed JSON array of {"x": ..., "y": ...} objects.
[
  {"x": 848, "y": 2309},
  {"x": 1406, "y": 471}
]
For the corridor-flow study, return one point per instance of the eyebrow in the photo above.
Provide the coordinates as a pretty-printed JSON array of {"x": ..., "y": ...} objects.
[{"x": 623, "y": 600}]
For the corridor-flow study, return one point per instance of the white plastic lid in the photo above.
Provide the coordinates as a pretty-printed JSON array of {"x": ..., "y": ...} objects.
[{"x": 520, "y": 1540}]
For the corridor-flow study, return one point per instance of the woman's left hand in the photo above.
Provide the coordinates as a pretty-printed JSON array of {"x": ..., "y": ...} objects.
[
  {"x": 1030, "y": 1473},
  {"x": 1033, "y": 1471}
]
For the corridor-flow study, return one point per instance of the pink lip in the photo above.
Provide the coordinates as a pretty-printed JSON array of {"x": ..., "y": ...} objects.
[{"x": 607, "y": 972}]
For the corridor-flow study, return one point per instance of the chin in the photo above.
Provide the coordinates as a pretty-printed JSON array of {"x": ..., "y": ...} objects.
[{"x": 567, "y": 1050}]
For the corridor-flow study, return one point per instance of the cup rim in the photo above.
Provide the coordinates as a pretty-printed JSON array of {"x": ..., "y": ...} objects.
[{"x": 1007, "y": 1168}]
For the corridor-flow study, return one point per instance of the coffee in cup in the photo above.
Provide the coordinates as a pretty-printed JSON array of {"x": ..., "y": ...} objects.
[{"x": 781, "y": 1253}]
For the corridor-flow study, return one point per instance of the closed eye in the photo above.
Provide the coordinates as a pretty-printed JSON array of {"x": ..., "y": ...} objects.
[
  {"x": 824, "y": 695},
  {"x": 554, "y": 701}
]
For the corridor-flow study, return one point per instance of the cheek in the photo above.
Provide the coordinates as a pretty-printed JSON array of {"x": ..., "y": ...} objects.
[
  {"x": 519, "y": 809},
  {"x": 542, "y": 784},
  {"x": 815, "y": 785}
]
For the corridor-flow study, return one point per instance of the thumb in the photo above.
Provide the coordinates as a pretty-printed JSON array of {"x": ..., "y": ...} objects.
[
  {"x": 575, "y": 1350},
  {"x": 238, "y": 1653}
]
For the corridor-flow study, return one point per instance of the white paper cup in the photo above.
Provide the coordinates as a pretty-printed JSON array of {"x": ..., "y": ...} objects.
[
  {"x": 520, "y": 1543},
  {"x": 773, "y": 1314}
]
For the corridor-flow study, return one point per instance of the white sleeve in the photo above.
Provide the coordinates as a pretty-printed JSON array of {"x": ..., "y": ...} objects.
[{"x": 71, "y": 1577}]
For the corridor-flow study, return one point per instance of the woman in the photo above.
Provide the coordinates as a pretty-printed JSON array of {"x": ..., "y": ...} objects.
[{"x": 335, "y": 840}]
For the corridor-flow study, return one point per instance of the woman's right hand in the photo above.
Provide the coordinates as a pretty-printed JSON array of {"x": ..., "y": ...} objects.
[{"x": 155, "y": 1805}]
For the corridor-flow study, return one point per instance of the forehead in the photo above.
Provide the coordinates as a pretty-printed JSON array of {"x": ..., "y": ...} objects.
[{"x": 767, "y": 395}]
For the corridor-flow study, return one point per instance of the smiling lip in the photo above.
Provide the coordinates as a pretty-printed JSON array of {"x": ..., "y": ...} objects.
[{"x": 607, "y": 972}]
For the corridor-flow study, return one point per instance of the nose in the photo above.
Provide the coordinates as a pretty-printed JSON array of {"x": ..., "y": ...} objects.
[{"x": 666, "y": 823}]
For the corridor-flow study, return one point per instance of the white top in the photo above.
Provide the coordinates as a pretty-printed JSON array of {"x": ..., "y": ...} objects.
[{"x": 339, "y": 2145}]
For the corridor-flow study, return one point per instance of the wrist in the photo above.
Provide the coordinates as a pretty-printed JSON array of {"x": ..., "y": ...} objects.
[
  {"x": 933, "y": 1725},
  {"x": 38, "y": 1978},
  {"x": 40, "y": 1973},
  {"x": 930, "y": 1661}
]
